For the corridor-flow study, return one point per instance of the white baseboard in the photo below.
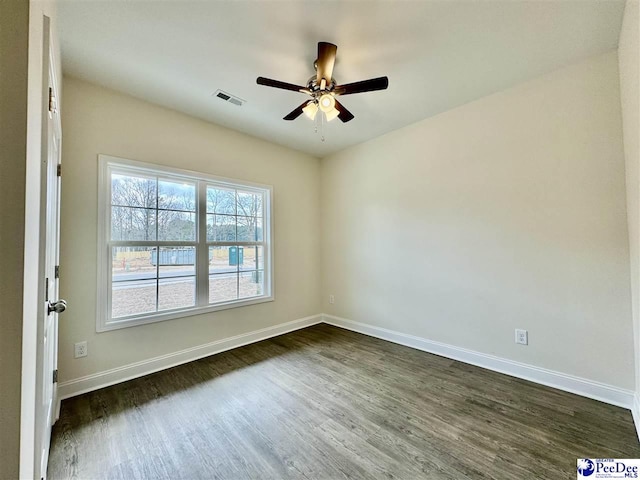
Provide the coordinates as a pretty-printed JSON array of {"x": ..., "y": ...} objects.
[
  {"x": 95, "y": 381},
  {"x": 562, "y": 381},
  {"x": 635, "y": 411}
]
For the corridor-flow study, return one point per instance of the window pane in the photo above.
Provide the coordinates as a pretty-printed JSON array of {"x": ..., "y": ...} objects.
[
  {"x": 251, "y": 284},
  {"x": 253, "y": 258},
  {"x": 249, "y": 229},
  {"x": 177, "y": 292},
  {"x": 249, "y": 204},
  {"x": 246, "y": 229},
  {"x": 259, "y": 230},
  {"x": 132, "y": 263},
  {"x": 221, "y": 200},
  {"x": 174, "y": 195},
  {"x": 223, "y": 287},
  {"x": 133, "y": 191},
  {"x": 176, "y": 226},
  {"x": 133, "y": 276},
  {"x": 131, "y": 298},
  {"x": 177, "y": 285},
  {"x": 223, "y": 259},
  {"x": 221, "y": 228},
  {"x": 133, "y": 223}
]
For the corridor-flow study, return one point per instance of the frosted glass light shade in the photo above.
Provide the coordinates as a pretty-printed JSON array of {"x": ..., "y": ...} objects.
[
  {"x": 310, "y": 110},
  {"x": 331, "y": 114}
]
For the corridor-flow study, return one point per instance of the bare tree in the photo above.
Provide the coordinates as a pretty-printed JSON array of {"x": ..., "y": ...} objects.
[
  {"x": 138, "y": 209},
  {"x": 250, "y": 207},
  {"x": 134, "y": 202},
  {"x": 176, "y": 212},
  {"x": 221, "y": 203}
]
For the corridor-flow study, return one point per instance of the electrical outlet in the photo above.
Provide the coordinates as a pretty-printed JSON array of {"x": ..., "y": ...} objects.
[
  {"x": 332, "y": 299},
  {"x": 522, "y": 337},
  {"x": 80, "y": 349}
]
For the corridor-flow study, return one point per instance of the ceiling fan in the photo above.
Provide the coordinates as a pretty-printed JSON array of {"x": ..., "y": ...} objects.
[{"x": 323, "y": 89}]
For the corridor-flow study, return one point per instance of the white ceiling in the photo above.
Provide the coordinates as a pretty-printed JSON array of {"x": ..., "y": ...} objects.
[{"x": 437, "y": 55}]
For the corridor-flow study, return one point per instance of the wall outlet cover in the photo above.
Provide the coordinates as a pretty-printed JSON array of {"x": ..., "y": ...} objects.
[
  {"x": 522, "y": 337},
  {"x": 80, "y": 349}
]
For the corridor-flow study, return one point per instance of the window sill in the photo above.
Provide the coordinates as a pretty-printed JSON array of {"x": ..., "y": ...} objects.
[{"x": 175, "y": 314}]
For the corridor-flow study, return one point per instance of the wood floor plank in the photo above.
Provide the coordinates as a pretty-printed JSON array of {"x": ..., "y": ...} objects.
[{"x": 326, "y": 403}]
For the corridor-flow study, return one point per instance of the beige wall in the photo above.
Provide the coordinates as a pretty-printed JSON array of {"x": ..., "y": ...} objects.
[
  {"x": 508, "y": 212},
  {"x": 14, "y": 29},
  {"x": 629, "y": 61},
  {"x": 97, "y": 120}
]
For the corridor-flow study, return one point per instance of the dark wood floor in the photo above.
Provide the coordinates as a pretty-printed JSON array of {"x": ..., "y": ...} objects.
[{"x": 326, "y": 403}]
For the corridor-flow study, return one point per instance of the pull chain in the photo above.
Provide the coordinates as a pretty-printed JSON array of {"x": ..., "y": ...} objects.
[{"x": 319, "y": 125}]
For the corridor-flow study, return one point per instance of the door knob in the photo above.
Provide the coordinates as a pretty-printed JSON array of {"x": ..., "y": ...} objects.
[{"x": 58, "y": 307}]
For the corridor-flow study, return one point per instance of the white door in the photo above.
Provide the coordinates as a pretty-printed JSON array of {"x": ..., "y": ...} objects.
[{"x": 46, "y": 389}]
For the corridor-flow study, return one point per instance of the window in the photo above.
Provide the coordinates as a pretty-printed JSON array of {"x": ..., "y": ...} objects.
[{"x": 173, "y": 243}]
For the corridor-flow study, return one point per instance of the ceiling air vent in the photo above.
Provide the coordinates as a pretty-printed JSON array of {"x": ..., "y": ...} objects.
[{"x": 227, "y": 97}]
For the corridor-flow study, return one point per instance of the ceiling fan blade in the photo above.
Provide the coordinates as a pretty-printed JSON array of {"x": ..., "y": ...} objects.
[
  {"x": 283, "y": 85},
  {"x": 297, "y": 112},
  {"x": 345, "y": 115},
  {"x": 326, "y": 60},
  {"x": 373, "y": 84}
]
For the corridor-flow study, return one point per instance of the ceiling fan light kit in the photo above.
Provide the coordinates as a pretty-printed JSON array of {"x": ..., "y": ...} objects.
[{"x": 323, "y": 88}]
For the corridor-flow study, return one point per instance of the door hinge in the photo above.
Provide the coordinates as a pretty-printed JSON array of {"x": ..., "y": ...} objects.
[
  {"x": 59, "y": 170},
  {"x": 52, "y": 101},
  {"x": 55, "y": 376},
  {"x": 57, "y": 271}
]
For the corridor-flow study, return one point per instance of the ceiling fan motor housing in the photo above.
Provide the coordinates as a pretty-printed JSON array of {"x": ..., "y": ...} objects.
[{"x": 312, "y": 85}]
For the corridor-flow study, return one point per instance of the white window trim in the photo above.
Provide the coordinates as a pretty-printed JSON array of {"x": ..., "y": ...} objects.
[{"x": 103, "y": 324}]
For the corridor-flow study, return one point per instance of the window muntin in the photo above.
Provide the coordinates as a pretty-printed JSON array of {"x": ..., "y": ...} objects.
[{"x": 176, "y": 243}]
